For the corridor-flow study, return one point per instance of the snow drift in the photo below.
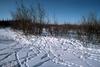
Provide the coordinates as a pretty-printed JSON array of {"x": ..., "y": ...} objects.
[{"x": 18, "y": 50}]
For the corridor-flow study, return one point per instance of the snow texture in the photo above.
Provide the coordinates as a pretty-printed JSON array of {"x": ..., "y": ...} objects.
[{"x": 17, "y": 50}]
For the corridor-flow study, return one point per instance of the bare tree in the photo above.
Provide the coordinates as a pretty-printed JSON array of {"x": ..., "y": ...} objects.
[
  {"x": 22, "y": 13},
  {"x": 40, "y": 13},
  {"x": 33, "y": 14}
]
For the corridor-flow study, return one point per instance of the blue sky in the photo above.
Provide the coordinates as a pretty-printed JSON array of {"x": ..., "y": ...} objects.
[{"x": 64, "y": 10}]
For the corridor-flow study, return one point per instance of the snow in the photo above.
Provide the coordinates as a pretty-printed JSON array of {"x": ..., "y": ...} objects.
[
  {"x": 18, "y": 50},
  {"x": 45, "y": 32}
]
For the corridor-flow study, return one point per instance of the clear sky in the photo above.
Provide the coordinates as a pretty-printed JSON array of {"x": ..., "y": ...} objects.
[{"x": 64, "y": 10}]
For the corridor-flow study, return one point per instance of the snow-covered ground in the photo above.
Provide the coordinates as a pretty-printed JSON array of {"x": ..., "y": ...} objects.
[{"x": 17, "y": 50}]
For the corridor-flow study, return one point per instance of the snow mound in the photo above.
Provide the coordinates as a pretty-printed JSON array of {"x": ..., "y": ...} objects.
[{"x": 23, "y": 51}]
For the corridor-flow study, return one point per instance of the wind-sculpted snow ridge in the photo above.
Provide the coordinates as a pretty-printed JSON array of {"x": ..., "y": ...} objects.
[{"x": 18, "y": 50}]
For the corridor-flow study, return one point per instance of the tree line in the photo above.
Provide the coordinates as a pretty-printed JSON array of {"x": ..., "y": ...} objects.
[{"x": 31, "y": 20}]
